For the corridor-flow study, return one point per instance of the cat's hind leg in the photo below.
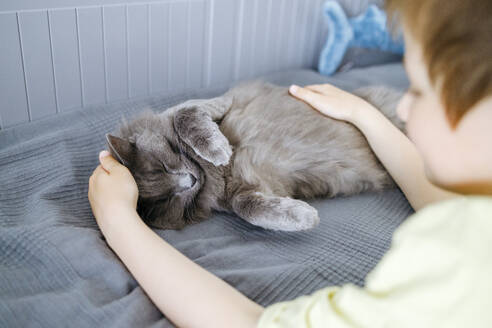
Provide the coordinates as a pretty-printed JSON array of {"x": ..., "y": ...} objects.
[{"x": 275, "y": 213}]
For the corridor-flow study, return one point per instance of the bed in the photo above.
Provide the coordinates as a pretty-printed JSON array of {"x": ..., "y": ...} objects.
[{"x": 55, "y": 266}]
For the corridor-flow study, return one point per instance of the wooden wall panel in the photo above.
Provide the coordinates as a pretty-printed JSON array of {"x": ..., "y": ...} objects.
[
  {"x": 63, "y": 58},
  {"x": 115, "y": 52},
  {"x": 65, "y": 52},
  {"x": 14, "y": 108},
  {"x": 38, "y": 65}
]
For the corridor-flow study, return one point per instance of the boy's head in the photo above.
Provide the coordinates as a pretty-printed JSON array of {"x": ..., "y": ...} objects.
[{"x": 448, "y": 107}]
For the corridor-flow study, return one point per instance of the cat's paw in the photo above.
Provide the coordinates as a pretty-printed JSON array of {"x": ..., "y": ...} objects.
[
  {"x": 286, "y": 214},
  {"x": 197, "y": 129},
  {"x": 219, "y": 149},
  {"x": 213, "y": 146},
  {"x": 298, "y": 215}
]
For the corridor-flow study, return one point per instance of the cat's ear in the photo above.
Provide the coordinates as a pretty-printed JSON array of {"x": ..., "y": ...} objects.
[{"x": 121, "y": 149}]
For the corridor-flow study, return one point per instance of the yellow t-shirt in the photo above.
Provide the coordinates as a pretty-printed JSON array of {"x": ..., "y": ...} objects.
[{"x": 437, "y": 273}]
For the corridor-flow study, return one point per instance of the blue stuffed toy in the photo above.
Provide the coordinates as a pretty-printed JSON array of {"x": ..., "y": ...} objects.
[{"x": 367, "y": 30}]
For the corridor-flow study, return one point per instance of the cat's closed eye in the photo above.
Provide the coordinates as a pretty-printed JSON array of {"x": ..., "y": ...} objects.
[
  {"x": 169, "y": 169},
  {"x": 158, "y": 171},
  {"x": 156, "y": 168}
]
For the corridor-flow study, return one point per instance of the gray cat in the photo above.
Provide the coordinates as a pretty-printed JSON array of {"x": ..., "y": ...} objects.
[{"x": 253, "y": 152}]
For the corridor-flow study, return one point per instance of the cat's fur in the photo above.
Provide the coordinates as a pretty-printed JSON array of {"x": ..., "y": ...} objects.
[{"x": 270, "y": 150}]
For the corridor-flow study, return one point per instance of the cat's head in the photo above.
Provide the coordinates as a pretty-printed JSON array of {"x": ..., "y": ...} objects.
[{"x": 168, "y": 178}]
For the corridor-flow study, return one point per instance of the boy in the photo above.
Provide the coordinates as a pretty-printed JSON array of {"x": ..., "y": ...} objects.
[{"x": 437, "y": 272}]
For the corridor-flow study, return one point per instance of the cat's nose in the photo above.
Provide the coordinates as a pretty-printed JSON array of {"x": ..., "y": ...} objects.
[
  {"x": 193, "y": 180},
  {"x": 187, "y": 181}
]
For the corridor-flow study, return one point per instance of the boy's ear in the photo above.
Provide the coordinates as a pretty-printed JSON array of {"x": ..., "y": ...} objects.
[{"x": 121, "y": 149}]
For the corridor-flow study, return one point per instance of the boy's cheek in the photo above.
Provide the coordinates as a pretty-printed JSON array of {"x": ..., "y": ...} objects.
[
  {"x": 427, "y": 128},
  {"x": 419, "y": 131},
  {"x": 403, "y": 108},
  {"x": 411, "y": 124}
]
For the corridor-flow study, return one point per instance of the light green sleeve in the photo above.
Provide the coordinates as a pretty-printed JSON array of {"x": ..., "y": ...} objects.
[{"x": 437, "y": 273}]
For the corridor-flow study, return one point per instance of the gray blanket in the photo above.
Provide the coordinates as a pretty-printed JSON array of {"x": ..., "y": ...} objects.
[{"x": 56, "y": 270}]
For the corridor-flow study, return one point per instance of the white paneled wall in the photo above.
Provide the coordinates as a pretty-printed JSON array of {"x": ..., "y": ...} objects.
[{"x": 59, "y": 59}]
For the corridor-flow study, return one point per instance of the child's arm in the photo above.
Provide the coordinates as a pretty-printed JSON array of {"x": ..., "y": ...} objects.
[
  {"x": 395, "y": 151},
  {"x": 187, "y": 294},
  {"x": 400, "y": 157}
]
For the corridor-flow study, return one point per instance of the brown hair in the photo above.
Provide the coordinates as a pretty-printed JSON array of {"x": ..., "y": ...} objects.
[{"x": 456, "y": 38}]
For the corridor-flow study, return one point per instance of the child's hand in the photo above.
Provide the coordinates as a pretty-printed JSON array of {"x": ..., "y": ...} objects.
[
  {"x": 112, "y": 191},
  {"x": 332, "y": 101}
]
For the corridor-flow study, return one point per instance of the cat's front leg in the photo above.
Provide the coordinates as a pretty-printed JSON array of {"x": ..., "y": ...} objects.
[
  {"x": 197, "y": 129},
  {"x": 276, "y": 213},
  {"x": 216, "y": 108}
]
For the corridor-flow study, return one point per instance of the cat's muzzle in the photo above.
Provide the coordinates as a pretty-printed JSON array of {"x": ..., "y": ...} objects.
[{"x": 187, "y": 181}]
